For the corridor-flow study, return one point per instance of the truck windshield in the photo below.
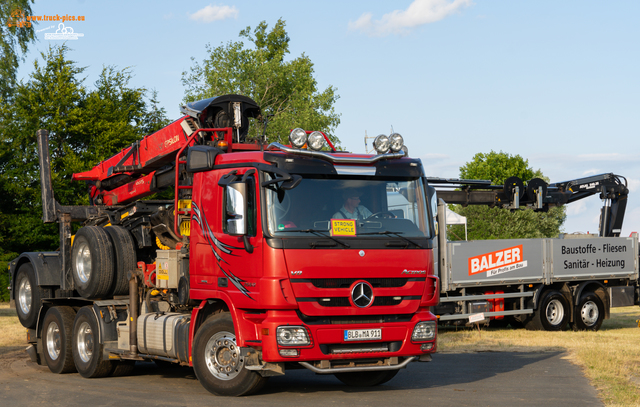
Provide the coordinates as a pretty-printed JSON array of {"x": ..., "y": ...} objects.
[{"x": 369, "y": 208}]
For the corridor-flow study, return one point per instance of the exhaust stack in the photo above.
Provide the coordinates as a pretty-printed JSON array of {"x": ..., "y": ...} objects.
[{"x": 49, "y": 214}]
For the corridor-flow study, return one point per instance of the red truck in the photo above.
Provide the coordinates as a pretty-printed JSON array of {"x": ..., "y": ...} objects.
[{"x": 249, "y": 271}]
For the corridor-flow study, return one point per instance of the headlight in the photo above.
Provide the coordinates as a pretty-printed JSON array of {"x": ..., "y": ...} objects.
[
  {"x": 298, "y": 138},
  {"x": 396, "y": 142},
  {"x": 292, "y": 336},
  {"x": 381, "y": 144},
  {"x": 424, "y": 331},
  {"x": 315, "y": 141}
]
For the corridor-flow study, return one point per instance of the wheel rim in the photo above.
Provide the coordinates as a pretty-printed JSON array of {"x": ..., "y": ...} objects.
[
  {"x": 222, "y": 356},
  {"x": 589, "y": 313},
  {"x": 555, "y": 312},
  {"x": 83, "y": 262},
  {"x": 24, "y": 295},
  {"x": 85, "y": 342},
  {"x": 54, "y": 341}
]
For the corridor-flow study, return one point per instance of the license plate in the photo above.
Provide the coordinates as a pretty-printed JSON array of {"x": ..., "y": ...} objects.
[{"x": 362, "y": 334}]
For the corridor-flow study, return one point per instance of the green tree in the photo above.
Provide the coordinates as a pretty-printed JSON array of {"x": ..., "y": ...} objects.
[
  {"x": 86, "y": 125},
  {"x": 498, "y": 223},
  {"x": 286, "y": 90},
  {"x": 15, "y": 34}
]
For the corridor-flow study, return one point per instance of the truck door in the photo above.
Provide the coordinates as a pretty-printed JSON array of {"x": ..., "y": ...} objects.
[{"x": 221, "y": 259}]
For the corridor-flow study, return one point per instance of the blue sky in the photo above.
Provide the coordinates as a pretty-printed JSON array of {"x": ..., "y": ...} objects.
[{"x": 556, "y": 82}]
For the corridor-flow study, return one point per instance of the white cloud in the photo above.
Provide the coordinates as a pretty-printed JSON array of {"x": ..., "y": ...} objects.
[
  {"x": 418, "y": 13},
  {"x": 214, "y": 13},
  {"x": 576, "y": 208},
  {"x": 586, "y": 173},
  {"x": 633, "y": 184}
]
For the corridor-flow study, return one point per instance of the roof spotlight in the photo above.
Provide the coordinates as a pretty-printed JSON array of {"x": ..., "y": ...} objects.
[
  {"x": 396, "y": 142},
  {"x": 315, "y": 141},
  {"x": 298, "y": 137},
  {"x": 381, "y": 144}
]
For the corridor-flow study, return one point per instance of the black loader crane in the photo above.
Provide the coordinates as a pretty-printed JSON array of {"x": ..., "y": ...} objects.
[{"x": 540, "y": 196}]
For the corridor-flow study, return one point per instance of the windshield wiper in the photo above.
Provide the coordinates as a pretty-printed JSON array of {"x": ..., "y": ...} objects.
[
  {"x": 389, "y": 233},
  {"x": 319, "y": 233}
]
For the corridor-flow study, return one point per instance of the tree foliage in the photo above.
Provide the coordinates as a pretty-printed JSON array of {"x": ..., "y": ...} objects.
[
  {"x": 286, "y": 90},
  {"x": 86, "y": 125},
  {"x": 497, "y": 223},
  {"x": 15, "y": 36}
]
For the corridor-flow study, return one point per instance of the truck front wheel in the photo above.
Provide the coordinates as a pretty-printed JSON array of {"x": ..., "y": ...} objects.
[
  {"x": 589, "y": 313},
  {"x": 366, "y": 379},
  {"x": 217, "y": 361},
  {"x": 87, "y": 349},
  {"x": 57, "y": 330},
  {"x": 552, "y": 313}
]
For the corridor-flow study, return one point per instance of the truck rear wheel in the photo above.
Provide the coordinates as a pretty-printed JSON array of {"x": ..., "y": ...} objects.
[
  {"x": 589, "y": 313},
  {"x": 87, "y": 349},
  {"x": 57, "y": 330},
  {"x": 217, "y": 361},
  {"x": 27, "y": 296},
  {"x": 125, "y": 257},
  {"x": 552, "y": 313},
  {"x": 92, "y": 262},
  {"x": 366, "y": 379}
]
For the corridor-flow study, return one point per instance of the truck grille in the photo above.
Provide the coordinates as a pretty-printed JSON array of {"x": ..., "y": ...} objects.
[
  {"x": 353, "y": 319},
  {"x": 344, "y": 301},
  {"x": 347, "y": 348},
  {"x": 347, "y": 282}
]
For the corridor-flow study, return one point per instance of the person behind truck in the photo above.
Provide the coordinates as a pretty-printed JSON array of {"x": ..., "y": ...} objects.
[{"x": 352, "y": 208}]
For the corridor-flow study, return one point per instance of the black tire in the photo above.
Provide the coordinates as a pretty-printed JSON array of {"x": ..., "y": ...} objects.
[
  {"x": 589, "y": 313},
  {"x": 123, "y": 368},
  {"x": 87, "y": 349},
  {"x": 217, "y": 336},
  {"x": 366, "y": 379},
  {"x": 27, "y": 295},
  {"x": 552, "y": 313},
  {"x": 92, "y": 262},
  {"x": 125, "y": 257},
  {"x": 57, "y": 330}
]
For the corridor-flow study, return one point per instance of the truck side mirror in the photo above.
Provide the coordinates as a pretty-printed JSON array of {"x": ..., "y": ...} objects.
[
  {"x": 236, "y": 208},
  {"x": 409, "y": 194},
  {"x": 201, "y": 158},
  {"x": 432, "y": 196}
]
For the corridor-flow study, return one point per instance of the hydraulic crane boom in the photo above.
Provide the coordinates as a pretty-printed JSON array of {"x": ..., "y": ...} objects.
[
  {"x": 540, "y": 196},
  {"x": 149, "y": 164}
]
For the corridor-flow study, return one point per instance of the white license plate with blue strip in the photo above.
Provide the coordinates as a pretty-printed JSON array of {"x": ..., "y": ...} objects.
[{"x": 363, "y": 334}]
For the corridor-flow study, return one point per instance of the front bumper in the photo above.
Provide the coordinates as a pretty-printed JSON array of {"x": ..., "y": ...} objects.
[{"x": 394, "y": 350}]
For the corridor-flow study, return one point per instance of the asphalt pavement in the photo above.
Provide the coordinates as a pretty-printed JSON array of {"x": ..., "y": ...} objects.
[{"x": 467, "y": 379}]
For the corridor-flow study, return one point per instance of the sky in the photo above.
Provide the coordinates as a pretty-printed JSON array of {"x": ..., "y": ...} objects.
[{"x": 556, "y": 82}]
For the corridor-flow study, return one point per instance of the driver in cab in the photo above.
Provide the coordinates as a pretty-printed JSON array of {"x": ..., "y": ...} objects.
[{"x": 352, "y": 208}]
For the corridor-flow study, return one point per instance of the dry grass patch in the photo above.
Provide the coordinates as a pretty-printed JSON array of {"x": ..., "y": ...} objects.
[
  {"x": 12, "y": 333},
  {"x": 610, "y": 358}
]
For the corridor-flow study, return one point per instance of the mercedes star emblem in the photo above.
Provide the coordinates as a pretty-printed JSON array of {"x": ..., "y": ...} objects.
[{"x": 362, "y": 294}]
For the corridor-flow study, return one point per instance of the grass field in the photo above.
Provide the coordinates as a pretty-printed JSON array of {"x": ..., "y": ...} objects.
[
  {"x": 610, "y": 358},
  {"x": 13, "y": 335}
]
